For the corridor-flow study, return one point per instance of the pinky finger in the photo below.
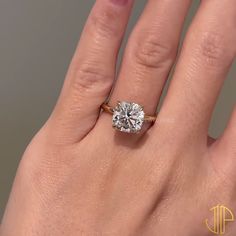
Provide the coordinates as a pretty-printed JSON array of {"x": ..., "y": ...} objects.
[
  {"x": 229, "y": 136},
  {"x": 226, "y": 147}
]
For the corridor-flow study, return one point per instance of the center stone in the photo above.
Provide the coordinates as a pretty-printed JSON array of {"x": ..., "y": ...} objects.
[{"x": 128, "y": 117}]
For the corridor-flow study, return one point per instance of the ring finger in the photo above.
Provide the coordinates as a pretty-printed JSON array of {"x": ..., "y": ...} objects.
[{"x": 150, "y": 53}]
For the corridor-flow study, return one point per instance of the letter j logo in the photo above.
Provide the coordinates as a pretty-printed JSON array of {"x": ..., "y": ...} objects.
[{"x": 221, "y": 216}]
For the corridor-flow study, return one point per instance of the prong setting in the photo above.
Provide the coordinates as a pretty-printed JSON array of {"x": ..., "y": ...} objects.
[{"x": 128, "y": 117}]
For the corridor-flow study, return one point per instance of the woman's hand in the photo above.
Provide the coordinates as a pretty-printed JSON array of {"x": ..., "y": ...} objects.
[{"x": 81, "y": 177}]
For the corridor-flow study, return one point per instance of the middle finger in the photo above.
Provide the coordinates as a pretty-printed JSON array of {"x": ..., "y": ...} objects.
[{"x": 150, "y": 53}]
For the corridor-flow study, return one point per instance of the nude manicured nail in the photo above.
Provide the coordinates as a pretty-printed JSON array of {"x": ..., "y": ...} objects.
[{"x": 120, "y": 2}]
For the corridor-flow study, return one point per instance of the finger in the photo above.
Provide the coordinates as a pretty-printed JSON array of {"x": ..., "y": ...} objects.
[
  {"x": 230, "y": 131},
  {"x": 224, "y": 149},
  {"x": 150, "y": 53},
  {"x": 228, "y": 139},
  {"x": 207, "y": 54},
  {"x": 91, "y": 72}
]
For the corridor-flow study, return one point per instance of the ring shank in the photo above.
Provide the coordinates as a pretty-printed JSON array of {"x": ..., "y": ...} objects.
[{"x": 107, "y": 108}]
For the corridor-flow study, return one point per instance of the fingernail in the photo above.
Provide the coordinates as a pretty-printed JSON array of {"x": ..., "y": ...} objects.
[{"x": 120, "y": 2}]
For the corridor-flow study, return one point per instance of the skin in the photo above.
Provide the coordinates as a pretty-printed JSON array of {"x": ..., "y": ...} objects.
[{"x": 79, "y": 176}]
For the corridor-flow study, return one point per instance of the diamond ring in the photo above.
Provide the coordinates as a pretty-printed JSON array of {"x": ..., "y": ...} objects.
[{"x": 128, "y": 117}]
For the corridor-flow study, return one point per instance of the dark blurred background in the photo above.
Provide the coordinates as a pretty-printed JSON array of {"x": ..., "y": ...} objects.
[{"x": 37, "y": 41}]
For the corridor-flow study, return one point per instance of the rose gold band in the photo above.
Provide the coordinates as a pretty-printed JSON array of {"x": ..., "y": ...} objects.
[{"x": 107, "y": 108}]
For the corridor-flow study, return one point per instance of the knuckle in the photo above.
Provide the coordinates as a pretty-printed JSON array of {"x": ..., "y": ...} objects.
[
  {"x": 105, "y": 24},
  {"x": 213, "y": 49},
  {"x": 92, "y": 76},
  {"x": 152, "y": 52}
]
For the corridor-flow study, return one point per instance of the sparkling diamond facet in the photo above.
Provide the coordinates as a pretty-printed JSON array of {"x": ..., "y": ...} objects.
[{"x": 128, "y": 117}]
